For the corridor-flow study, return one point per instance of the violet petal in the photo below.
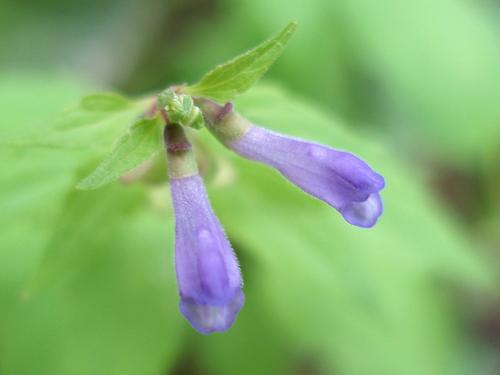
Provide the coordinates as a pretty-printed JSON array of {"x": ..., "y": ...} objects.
[
  {"x": 339, "y": 178},
  {"x": 208, "y": 275}
]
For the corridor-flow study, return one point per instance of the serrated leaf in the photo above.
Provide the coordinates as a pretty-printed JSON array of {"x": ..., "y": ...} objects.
[
  {"x": 99, "y": 109},
  {"x": 107, "y": 101},
  {"x": 239, "y": 74},
  {"x": 92, "y": 124},
  {"x": 141, "y": 142}
]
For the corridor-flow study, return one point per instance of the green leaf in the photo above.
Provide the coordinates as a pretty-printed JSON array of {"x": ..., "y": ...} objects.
[
  {"x": 97, "y": 109},
  {"x": 93, "y": 124},
  {"x": 106, "y": 290},
  {"x": 105, "y": 102},
  {"x": 239, "y": 74},
  {"x": 141, "y": 142}
]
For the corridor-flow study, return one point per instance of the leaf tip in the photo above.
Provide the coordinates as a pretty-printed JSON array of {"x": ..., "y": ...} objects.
[
  {"x": 288, "y": 31},
  {"x": 84, "y": 185},
  {"x": 292, "y": 25}
]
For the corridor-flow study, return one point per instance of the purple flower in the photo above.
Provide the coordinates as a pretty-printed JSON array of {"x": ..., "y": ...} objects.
[
  {"x": 208, "y": 275},
  {"x": 339, "y": 178}
]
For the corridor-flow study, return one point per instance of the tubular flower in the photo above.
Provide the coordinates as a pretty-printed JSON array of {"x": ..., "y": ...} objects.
[
  {"x": 338, "y": 178},
  {"x": 208, "y": 275}
]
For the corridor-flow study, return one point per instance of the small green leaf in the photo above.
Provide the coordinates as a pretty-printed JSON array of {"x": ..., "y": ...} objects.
[
  {"x": 107, "y": 101},
  {"x": 100, "y": 108},
  {"x": 239, "y": 74},
  {"x": 141, "y": 142},
  {"x": 92, "y": 124}
]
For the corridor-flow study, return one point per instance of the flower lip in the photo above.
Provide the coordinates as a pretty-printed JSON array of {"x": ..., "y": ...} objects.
[
  {"x": 207, "y": 319},
  {"x": 363, "y": 214}
]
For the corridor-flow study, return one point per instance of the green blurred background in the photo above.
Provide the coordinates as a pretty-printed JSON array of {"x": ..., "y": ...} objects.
[{"x": 412, "y": 86}]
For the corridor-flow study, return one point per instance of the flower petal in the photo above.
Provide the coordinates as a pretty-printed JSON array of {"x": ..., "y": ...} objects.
[
  {"x": 336, "y": 177},
  {"x": 208, "y": 275},
  {"x": 363, "y": 214},
  {"x": 207, "y": 319}
]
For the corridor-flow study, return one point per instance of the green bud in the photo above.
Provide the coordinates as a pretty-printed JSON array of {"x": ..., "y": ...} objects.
[{"x": 180, "y": 109}]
